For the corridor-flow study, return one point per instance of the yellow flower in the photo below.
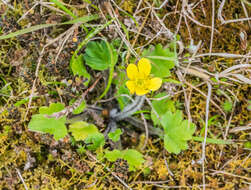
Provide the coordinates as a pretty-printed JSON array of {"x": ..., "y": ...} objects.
[{"x": 140, "y": 80}]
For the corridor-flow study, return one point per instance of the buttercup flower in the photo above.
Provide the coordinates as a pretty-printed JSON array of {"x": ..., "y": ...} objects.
[{"x": 141, "y": 81}]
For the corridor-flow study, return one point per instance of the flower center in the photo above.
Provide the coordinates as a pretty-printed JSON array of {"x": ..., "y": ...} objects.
[{"x": 143, "y": 83}]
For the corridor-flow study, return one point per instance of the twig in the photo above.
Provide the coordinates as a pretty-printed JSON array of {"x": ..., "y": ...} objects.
[
  {"x": 70, "y": 32},
  {"x": 150, "y": 182},
  {"x": 220, "y": 11},
  {"x": 21, "y": 178},
  {"x": 154, "y": 111},
  {"x": 223, "y": 21},
  {"x": 229, "y": 121},
  {"x": 180, "y": 19},
  {"x": 212, "y": 29},
  {"x": 27, "y": 12},
  {"x": 216, "y": 105},
  {"x": 168, "y": 33},
  {"x": 195, "y": 21},
  {"x": 228, "y": 70},
  {"x": 48, "y": 5},
  {"x": 162, "y": 5},
  {"x": 146, "y": 130},
  {"x": 138, "y": 6},
  {"x": 241, "y": 128},
  {"x": 76, "y": 104},
  {"x": 137, "y": 36},
  {"x": 227, "y": 173},
  {"x": 187, "y": 101},
  {"x": 108, "y": 169},
  {"x": 111, "y": 11},
  {"x": 245, "y": 11},
  {"x": 226, "y": 55},
  {"x": 169, "y": 171},
  {"x": 205, "y": 135},
  {"x": 179, "y": 187},
  {"x": 6, "y": 3},
  {"x": 167, "y": 96},
  {"x": 37, "y": 70}
]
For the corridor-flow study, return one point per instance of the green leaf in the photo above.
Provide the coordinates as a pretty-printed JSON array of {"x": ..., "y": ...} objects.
[
  {"x": 80, "y": 130},
  {"x": 90, "y": 35},
  {"x": 113, "y": 60},
  {"x": 115, "y": 136},
  {"x": 161, "y": 107},
  {"x": 123, "y": 101},
  {"x": 65, "y": 9},
  {"x": 213, "y": 141},
  {"x": 162, "y": 60},
  {"x": 42, "y": 123},
  {"x": 25, "y": 100},
  {"x": 80, "y": 108},
  {"x": 54, "y": 107},
  {"x": 88, "y": 133},
  {"x": 133, "y": 157},
  {"x": 112, "y": 156},
  {"x": 176, "y": 131},
  {"x": 227, "y": 106},
  {"x": 98, "y": 55},
  {"x": 38, "y": 27},
  {"x": 78, "y": 68},
  {"x": 95, "y": 141},
  {"x": 53, "y": 126},
  {"x": 120, "y": 82},
  {"x": 247, "y": 144},
  {"x": 170, "y": 80},
  {"x": 249, "y": 105}
]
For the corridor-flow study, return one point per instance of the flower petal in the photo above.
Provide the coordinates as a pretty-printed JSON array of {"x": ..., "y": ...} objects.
[
  {"x": 132, "y": 71},
  {"x": 144, "y": 66},
  {"x": 131, "y": 86},
  {"x": 141, "y": 92},
  {"x": 155, "y": 83}
]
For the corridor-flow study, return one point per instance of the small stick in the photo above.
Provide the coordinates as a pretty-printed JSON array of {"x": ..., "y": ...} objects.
[
  {"x": 227, "y": 173},
  {"x": 146, "y": 130},
  {"x": 6, "y": 3},
  {"x": 37, "y": 70},
  {"x": 216, "y": 105},
  {"x": 246, "y": 13},
  {"x": 212, "y": 30},
  {"x": 21, "y": 178},
  {"x": 108, "y": 169},
  {"x": 226, "y": 55},
  {"x": 137, "y": 36},
  {"x": 205, "y": 136},
  {"x": 69, "y": 109},
  {"x": 169, "y": 171}
]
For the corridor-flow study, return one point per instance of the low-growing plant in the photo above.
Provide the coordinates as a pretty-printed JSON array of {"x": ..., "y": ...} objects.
[{"x": 147, "y": 76}]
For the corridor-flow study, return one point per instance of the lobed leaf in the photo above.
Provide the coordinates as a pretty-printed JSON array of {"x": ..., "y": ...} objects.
[
  {"x": 42, "y": 123},
  {"x": 115, "y": 136},
  {"x": 133, "y": 157},
  {"x": 163, "y": 59},
  {"x": 161, "y": 107},
  {"x": 80, "y": 130},
  {"x": 176, "y": 131},
  {"x": 80, "y": 108},
  {"x": 88, "y": 133}
]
